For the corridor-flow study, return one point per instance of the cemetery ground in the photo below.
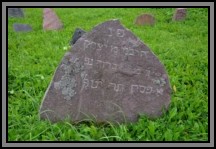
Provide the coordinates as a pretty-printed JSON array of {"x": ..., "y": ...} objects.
[{"x": 181, "y": 46}]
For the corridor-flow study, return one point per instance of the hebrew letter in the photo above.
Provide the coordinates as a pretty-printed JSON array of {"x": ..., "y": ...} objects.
[
  {"x": 94, "y": 45},
  {"x": 144, "y": 53},
  {"x": 88, "y": 61},
  {"x": 119, "y": 87},
  {"x": 132, "y": 88},
  {"x": 155, "y": 81},
  {"x": 91, "y": 62},
  {"x": 120, "y": 32},
  {"x": 86, "y": 44},
  {"x": 100, "y": 63},
  {"x": 125, "y": 50},
  {"x": 135, "y": 43},
  {"x": 163, "y": 82},
  {"x": 94, "y": 84},
  {"x": 112, "y": 84},
  {"x": 110, "y": 32},
  {"x": 159, "y": 91},
  {"x": 148, "y": 73},
  {"x": 131, "y": 52},
  {"x": 85, "y": 82},
  {"x": 148, "y": 90},
  {"x": 114, "y": 66},
  {"x": 158, "y": 74},
  {"x": 114, "y": 50},
  {"x": 142, "y": 89},
  {"x": 99, "y": 46}
]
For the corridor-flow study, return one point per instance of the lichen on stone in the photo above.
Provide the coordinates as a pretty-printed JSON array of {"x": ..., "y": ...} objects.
[{"x": 67, "y": 83}]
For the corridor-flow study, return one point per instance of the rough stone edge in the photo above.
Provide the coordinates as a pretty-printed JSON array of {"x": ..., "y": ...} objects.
[{"x": 41, "y": 105}]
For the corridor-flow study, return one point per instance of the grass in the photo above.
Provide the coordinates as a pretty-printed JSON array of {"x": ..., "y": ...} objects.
[{"x": 181, "y": 46}]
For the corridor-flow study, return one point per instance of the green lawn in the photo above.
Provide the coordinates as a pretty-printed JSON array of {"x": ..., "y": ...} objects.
[{"x": 181, "y": 46}]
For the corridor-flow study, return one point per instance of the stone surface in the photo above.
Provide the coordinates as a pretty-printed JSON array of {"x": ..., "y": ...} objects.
[
  {"x": 22, "y": 27},
  {"x": 108, "y": 75},
  {"x": 51, "y": 20},
  {"x": 77, "y": 34},
  {"x": 180, "y": 14},
  {"x": 15, "y": 12},
  {"x": 145, "y": 19}
]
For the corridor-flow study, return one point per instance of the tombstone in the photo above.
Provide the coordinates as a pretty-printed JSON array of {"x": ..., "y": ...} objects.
[
  {"x": 145, "y": 19},
  {"x": 21, "y": 27},
  {"x": 51, "y": 20},
  {"x": 180, "y": 14},
  {"x": 15, "y": 12},
  {"x": 77, "y": 34},
  {"x": 108, "y": 75}
]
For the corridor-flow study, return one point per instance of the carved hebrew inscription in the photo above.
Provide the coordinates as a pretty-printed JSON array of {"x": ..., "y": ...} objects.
[
  {"x": 115, "y": 50},
  {"x": 108, "y": 75}
]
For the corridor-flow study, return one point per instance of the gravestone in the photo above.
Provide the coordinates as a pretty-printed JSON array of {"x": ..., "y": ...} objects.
[
  {"x": 21, "y": 27},
  {"x": 15, "y": 12},
  {"x": 108, "y": 75},
  {"x": 77, "y": 34},
  {"x": 51, "y": 20},
  {"x": 145, "y": 19},
  {"x": 180, "y": 14}
]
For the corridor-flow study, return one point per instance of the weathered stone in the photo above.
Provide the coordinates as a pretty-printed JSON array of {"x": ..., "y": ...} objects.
[
  {"x": 77, "y": 34},
  {"x": 108, "y": 75},
  {"x": 145, "y": 19},
  {"x": 21, "y": 27},
  {"x": 180, "y": 14},
  {"x": 51, "y": 20},
  {"x": 15, "y": 12}
]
